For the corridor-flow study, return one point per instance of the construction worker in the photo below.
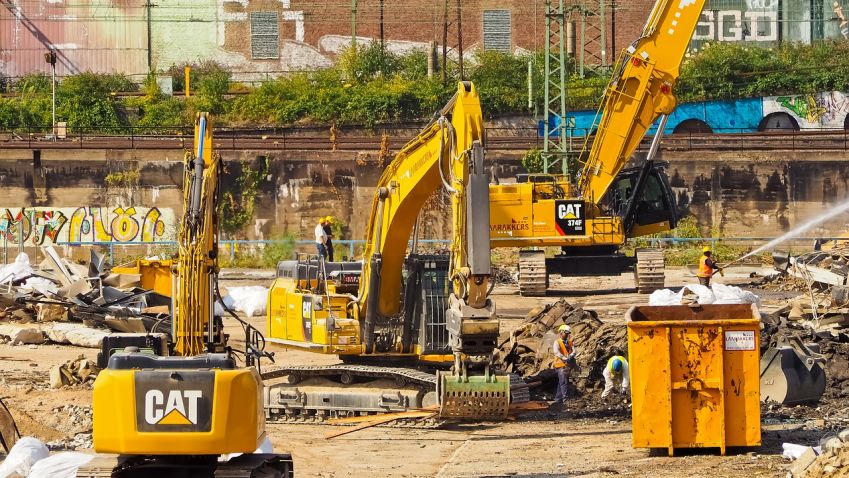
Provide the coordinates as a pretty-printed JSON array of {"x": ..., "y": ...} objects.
[
  {"x": 328, "y": 222},
  {"x": 615, "y": 374},
  {"x": 564, "y": 360},
  {"x": 321, "y": 239},
  {"x": 707, "y": 267}
]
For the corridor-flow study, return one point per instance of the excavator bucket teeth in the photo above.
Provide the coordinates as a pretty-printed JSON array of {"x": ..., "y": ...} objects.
[
  {"x": 788, "y": 378},
  {"x": 474, "y": 397}
]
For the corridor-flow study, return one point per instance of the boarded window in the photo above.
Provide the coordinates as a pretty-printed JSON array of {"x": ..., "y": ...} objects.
[
  {"x": 265, "y": 36},
  {"x": 497, "y": 31}
]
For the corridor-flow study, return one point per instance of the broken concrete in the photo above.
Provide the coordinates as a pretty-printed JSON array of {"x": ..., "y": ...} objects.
[{"x": 22, "y": 335}]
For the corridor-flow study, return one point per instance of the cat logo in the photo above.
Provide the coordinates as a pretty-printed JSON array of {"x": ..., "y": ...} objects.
[
  {"x": 569, "y": 217},
  {"x": 171, "y": 401},
  {"x": 181, "y": 407}
]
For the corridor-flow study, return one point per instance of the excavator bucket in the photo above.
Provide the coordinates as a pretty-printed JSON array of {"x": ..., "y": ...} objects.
[
  {"x": 791, "y": 372},
  {"x": 781, "y": 260},
  {"x": 474, "y": 397},
  {"x": 8, "y": 429}
]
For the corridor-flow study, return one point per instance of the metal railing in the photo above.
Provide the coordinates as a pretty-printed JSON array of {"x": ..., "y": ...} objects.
[
  {"x": 233, "y": 247},
  {"x": 359, "y": 139}
]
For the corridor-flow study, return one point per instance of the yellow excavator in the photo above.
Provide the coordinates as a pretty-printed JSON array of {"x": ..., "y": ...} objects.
[
  {"x": 175, "y": 407},
  {"x": 591, "y": 218},
  {"x": 412, "y": 330}
]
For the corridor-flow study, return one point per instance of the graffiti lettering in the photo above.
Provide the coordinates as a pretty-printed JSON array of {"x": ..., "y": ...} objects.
[
  {"x": 804, "y": 106},
  {"x": 42, "y": 225},
  {"x": 736, "y": 25}
]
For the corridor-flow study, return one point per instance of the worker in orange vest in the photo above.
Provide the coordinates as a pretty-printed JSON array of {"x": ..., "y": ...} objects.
[
  {"x": 707, "y": 267},
  {"x": 564, "y": 361}
]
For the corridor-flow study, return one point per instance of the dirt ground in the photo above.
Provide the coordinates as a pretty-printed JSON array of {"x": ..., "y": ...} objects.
[{"x": 536, "y": 445}]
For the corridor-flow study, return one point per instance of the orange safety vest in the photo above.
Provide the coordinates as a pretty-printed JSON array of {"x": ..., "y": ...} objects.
[
  {"x": 704, "y": 269},
  {"x": 565, "y": 349}
]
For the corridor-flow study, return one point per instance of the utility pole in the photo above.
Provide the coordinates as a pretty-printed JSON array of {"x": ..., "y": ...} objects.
[
  {"x": 50, "y": 58},
  {"x": 445, "y": 43},
  {"x": 148, "y": 6},
  {"x": 354, "y": 24},
  {"x": 460, "y": 38},
  {"x": 382, "y": 41},
  {"x": 555, "y": 147}
]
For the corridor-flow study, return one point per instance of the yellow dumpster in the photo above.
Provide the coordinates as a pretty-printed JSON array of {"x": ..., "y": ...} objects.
[
  {"x": 155, "y": 275},
  {"x": 694, "y": 376}
]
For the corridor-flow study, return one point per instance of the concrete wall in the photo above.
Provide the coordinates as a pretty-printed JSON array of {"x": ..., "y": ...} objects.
[{"x": 737, "y": 194}]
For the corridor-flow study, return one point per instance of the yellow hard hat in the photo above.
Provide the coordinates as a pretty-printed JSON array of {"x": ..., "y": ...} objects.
[
  {"x": 328, "y": 219},
  {"x": 706, "y": 249},
  {"x": 565, "y": 328}
]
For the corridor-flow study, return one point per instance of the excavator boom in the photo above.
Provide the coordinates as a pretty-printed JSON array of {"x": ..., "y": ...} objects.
[{"x": 640, "y": 91}]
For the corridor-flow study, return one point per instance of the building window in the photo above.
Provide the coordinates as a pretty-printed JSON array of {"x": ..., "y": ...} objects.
[
  {"x": 265, "y": 36},
  {"x": 497, "y": 31}
]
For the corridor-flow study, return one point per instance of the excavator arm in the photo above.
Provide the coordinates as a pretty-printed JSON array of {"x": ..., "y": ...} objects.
[
  {"x": 448, "y": 153},
  {"x": 640, "y": 91}
]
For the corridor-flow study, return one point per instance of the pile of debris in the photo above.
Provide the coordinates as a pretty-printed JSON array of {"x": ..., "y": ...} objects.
[
  {"x": 829, "y": 459},
  {"x": 73, "y": 372},
  {"x": 821, "y": 276},
  {"x": 43, "y": 305},
  {"x": 528, "y": 349}
]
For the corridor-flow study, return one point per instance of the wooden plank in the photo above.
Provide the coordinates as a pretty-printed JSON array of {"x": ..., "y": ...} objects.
[
  {"x": 417, "y": 413},
  {"x": 378, "y": 420}
]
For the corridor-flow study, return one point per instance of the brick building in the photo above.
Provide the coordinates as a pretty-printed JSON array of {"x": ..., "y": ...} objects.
[{"x": 258, "y": 38}]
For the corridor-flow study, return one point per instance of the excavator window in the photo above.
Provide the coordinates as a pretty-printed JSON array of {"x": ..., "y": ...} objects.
[{"x": 654, "y": 205}]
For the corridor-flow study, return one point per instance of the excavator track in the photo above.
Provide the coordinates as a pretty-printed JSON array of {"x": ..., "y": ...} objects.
[
  {"x": 533, "y": 276},
  {"x": 649, "y": 273},
  {"x": 315, "y": 394},
  {"x": 243, "y": 466}
]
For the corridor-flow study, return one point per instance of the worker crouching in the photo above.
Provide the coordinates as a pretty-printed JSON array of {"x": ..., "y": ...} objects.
[
  {"x": 615, "y": 376},
  {"x": 564, "y": 361}
]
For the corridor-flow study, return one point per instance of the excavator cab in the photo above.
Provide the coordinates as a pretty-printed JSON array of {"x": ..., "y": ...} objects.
[{"x": 642, "y": 197}]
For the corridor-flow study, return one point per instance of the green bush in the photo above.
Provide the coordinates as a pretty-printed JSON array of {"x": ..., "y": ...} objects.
[
  {"x": 283, "y": 248},
  {"x": 501, "y": 80},
  {"x": 532, "y": 161}
]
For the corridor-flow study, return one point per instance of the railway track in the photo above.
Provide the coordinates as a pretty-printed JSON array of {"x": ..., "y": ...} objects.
[{"x": 502, "y": 141}]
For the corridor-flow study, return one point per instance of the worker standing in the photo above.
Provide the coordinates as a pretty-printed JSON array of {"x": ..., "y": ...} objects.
[
  {"x": 321, "y": 239},
  {"x": 707, "y": 267},
  {"x": 564, "y": 360},
  {"x": 615, "y": 374},
  {"x": 328, "y": 222}
]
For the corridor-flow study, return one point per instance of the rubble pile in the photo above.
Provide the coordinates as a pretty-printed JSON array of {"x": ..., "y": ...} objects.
[
  {"x": 829, "y": 459},
  {"x": 527, "y": 351},
  {"x": 48, "y": 304},
  {"x": 74, "y": 372}
]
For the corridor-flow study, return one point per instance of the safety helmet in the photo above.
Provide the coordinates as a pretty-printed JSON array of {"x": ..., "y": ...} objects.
[
  {"x": 565, "y": 328},
  {"x": 328, "y": 219},
  {"x": 706, "y": 249},
  {"x": 616, "y": 365}
]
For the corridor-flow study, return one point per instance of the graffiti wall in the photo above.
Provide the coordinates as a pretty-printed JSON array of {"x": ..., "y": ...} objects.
[
  {"x": 823, "y": 110},
  {"x": 45, "y": 225},
  {"x": 828, "y": 110},
  {"x": 767, "y": 22}
]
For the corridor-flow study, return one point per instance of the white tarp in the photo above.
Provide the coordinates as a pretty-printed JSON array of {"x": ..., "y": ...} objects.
[
  {"x": 716, "y": 294},
  {"x": 251, "y": 300},
  {"x": 22, "y": 457},
  {"x": 22, "y": 268}
]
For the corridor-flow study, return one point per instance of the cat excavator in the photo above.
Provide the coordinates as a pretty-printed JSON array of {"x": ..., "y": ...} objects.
[
  {"x": 412, "y": 330},
  {"x": 175, "y": 407},
  {"x": 591, "y": 218}
]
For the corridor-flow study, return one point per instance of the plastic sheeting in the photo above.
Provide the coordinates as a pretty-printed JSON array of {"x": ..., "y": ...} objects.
[
  {"x": 60, "y": 465},
  {"x": 26, "y": 452},
  {"x": 22, "y": 268},
  {"x": 716, "y": 294},
  {"x": 251, "y": 300}
]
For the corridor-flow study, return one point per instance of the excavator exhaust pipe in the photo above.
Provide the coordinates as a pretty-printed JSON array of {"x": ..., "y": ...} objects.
[{"x": 792, "y": 372}]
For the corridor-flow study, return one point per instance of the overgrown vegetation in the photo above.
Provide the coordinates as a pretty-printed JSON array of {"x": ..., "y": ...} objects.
[
  {"x": 236, "y": 208},
  {"x": 369, "y": 86},
  {"x": 687, "y": 253}
]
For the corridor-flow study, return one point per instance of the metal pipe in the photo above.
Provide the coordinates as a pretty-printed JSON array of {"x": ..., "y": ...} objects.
[{"x": 655, "y": 142}]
